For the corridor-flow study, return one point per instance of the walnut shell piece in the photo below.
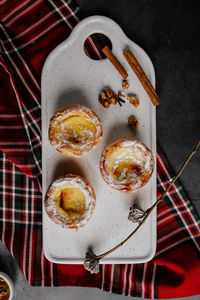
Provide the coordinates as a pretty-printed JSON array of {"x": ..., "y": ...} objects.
[
  {"x": 107, "y": 97},
  {"x": 133, "y": 122},
  {"x": 134, "y": 100},
  {"x": 125, "y": 85}
]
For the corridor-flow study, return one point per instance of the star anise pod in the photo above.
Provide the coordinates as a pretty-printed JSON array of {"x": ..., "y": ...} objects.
[{"x": 120, "y": 101}]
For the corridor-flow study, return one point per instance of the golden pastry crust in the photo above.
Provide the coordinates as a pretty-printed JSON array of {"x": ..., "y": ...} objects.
[
  {"x": 70, "y": 201},
  {"x": 126, "y": 165},
  {"x": 75, "y": 130}
]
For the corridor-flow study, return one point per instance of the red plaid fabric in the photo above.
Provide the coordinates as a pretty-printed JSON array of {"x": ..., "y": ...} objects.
[{"x": 29, "y": 31}]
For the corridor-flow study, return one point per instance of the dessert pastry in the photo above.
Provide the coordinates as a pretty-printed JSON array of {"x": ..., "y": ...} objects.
[
  {"x": 126, "y": 165},
  {"x": 75, "y": 130},
  {"x": 70, "y": 201}
]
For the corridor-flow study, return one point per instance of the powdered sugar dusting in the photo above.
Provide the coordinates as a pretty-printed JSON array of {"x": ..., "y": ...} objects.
[
  {"x": 130, "y": 169},
  {"x": 85, "y": 188},
  {"x": 66, "y": 139},
  {"x": 69, "y": 134}
]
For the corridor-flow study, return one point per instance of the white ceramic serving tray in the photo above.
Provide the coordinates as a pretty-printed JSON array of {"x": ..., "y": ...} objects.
[{"x": 70, "y": 76}]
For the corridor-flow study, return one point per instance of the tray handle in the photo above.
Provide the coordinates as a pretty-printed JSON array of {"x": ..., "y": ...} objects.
[{"x": 98, "y": 24}]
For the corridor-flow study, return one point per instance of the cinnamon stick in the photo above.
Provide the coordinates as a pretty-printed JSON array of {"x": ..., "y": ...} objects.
[
  {"x": 135, "y": 66},
  {"x": 112, "y": 58}
]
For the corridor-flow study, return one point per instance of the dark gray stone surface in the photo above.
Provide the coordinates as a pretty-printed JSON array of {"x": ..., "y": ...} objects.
[{"x": 169, "y": 31}]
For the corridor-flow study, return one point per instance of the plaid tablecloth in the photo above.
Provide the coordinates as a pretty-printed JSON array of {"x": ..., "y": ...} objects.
[{"x": 29, "y": 31}]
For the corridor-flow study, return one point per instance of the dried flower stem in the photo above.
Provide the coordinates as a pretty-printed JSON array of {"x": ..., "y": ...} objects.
[{"x": 149, "y": 210}]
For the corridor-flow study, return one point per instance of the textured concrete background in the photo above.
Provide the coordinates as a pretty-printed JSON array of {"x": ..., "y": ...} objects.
[{"x": 169, "y": 31}]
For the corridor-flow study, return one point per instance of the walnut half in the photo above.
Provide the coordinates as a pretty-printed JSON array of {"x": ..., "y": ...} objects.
[
  {"x": 134, "y": 100},
  {"x": 107, "y": 97}
]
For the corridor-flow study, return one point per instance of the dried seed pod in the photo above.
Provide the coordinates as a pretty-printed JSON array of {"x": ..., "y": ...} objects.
[
  {"x": 120, "y": 101},
  {"x": 119, "y": 98},
  {"x": 136, "y": 214},
  {"x": 120, "y": 95},
  {"x": 91, "y": 262}
]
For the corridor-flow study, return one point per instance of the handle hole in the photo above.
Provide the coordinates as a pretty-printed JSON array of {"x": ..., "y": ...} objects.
[{"x": 94, "y": 44}]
